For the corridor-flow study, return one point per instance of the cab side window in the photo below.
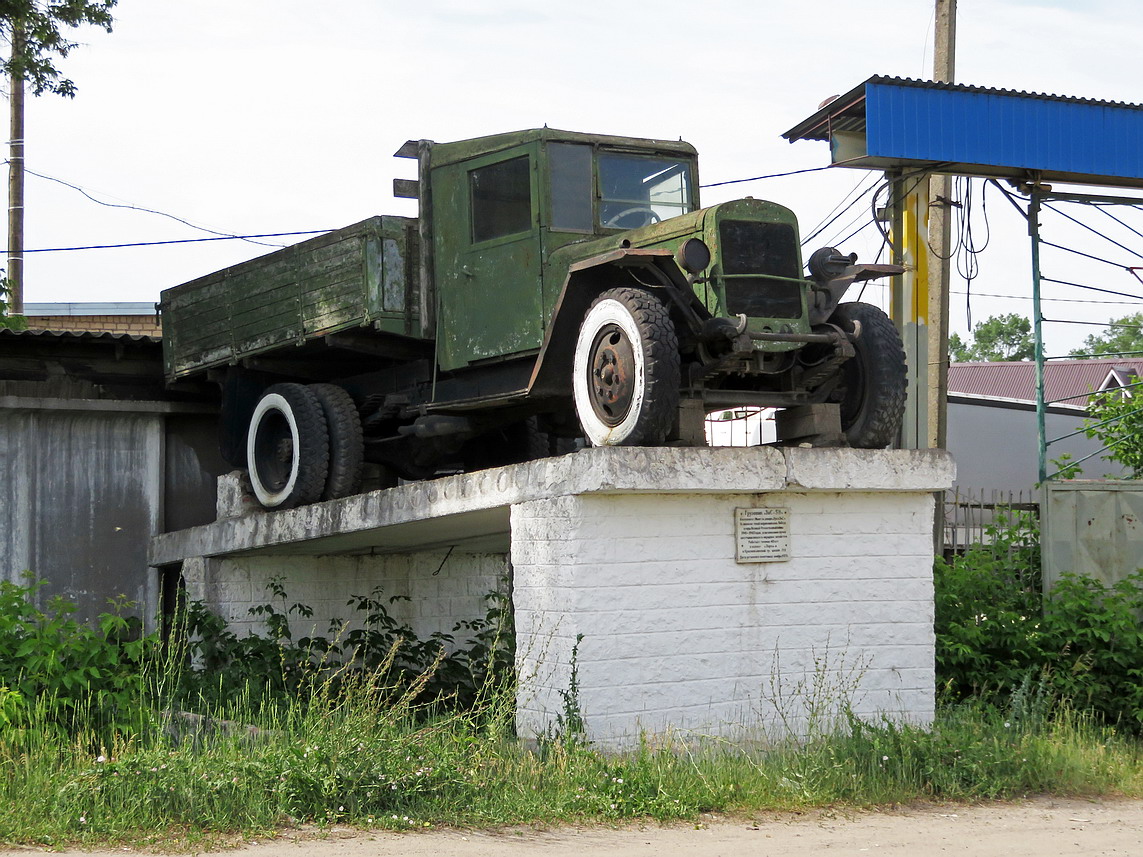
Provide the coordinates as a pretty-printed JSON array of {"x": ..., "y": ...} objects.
[{"x": 501, "y": 199}]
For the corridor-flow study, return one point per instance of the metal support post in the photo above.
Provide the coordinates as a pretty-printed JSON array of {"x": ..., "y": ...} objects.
[
  {"x": 1037, "y": 329},
  {"x": 909, "y": 301}
]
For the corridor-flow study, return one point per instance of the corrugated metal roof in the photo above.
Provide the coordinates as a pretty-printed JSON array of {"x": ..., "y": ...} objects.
[
  {"x": 1065, "y": 381},
  {"x": 976, "y": 130},
  {"x": 81, "y": 335}
]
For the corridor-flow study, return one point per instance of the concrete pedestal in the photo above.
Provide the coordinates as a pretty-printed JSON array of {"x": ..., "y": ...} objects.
[{"x": 630, "y": 559}]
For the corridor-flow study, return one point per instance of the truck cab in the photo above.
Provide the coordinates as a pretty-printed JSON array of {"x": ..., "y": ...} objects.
[{"x": 502, "y": 206}]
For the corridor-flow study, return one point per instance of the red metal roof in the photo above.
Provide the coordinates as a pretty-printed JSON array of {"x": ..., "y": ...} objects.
[{"x": 1065, "y": 381}]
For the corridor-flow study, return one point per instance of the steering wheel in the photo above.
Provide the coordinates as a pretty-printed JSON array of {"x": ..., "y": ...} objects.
[{"x": 649, "y": 217}]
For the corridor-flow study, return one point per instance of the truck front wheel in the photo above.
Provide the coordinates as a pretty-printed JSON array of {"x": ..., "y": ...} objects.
[
  {"x": 873, "y": 380},
  {"x": 626, "y": 370},
  {"x": 287, "y": 447}
]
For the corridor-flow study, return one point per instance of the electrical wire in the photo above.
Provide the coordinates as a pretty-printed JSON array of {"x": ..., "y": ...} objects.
[
  {"x": 1057, "y": 300},
  {"x": 1091, "y": 288},
  {"x": 1091, "y": 229},
  {"x": 130, "y": 207},
  {"x": 771, "y": 176},
  {"x": 1093, "y": 323},
  {"x": 860, "y": 228},
  {"x": 1102, "y": 209},
  {"x": 836, "y": 215},
  {"x": 182, "y": 241},
  {"x": 1085, "y": 255}
]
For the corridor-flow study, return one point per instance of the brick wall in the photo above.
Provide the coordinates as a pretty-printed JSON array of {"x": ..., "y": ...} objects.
[
  {"x": 138, "y": 325},
  {"x": 442, "y": 591},
  {"x": 678, "y": 635}
]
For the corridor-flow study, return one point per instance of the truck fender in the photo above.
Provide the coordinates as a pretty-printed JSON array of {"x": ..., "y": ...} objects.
[{"x": 589, "y": 278}]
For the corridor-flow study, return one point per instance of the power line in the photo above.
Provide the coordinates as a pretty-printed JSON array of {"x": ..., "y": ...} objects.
[
  {"x": 1092, "y": 323},
  {"x": 837, "y": 214},
  {"x": 1085, "y": 255},
  {"x": 1057, "y": 300},
  {"x": 1091, "y": 288},
  {"x": 183, "y": 241},
  {"x": 130, "y": 207},
  {"x": 771, "y": 176},
  {"x": 1091, "y": 229}
]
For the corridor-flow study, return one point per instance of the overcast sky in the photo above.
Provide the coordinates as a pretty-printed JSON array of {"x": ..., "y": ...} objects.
[{"x": 259, "y": 116}]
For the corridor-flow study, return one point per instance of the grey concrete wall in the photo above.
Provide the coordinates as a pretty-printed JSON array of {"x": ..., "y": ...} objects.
[
  {"x": 1092, "y": 528},
  {"x": 192, "y": 465},
  {"x": 996, "y": 447},
  {"x": 81, "y": 501}
]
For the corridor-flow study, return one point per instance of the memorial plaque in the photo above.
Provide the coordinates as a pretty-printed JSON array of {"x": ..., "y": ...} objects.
[{"x": 762, "y": 535}]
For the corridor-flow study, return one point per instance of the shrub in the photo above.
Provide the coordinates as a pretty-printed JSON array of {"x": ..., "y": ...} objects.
[
  {"x": 996, "y": 632},
  {"x": 274, "y": 667},
  {"x": 63, "y": 667}
]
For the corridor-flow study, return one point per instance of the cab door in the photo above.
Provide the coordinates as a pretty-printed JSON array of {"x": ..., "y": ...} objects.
[{"x": 486, "y": 239}]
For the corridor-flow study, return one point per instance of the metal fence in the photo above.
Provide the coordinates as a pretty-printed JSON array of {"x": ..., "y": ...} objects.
[{"x": 970, "y": 517}]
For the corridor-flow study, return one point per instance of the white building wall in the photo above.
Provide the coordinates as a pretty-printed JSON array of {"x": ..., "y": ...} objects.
[
  {"x": 437, "y": 589},
  {"x": 676, "y": 635}
]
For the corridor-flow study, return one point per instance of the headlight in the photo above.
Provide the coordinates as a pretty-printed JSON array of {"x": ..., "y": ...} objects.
[{"x": 693, "y": 255}]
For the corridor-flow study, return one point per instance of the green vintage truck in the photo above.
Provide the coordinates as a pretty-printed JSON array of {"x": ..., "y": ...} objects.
[{"x": 556, "y": 289}]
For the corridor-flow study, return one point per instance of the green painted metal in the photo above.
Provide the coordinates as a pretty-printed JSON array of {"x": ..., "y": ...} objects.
[
  {"x": 512, "y": 216},
  {"x": 356, "y": 277},
  {"x": 489, "y": 293}
]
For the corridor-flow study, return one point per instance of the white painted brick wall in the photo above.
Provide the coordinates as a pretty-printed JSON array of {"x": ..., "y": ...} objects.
[
  {"x": 439, "y": 595},
  {"x": 677, "y": 635}
]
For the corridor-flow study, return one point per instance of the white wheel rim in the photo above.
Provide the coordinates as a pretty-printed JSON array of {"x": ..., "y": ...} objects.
[
  {"x": 268, "y": 404},
  {"x": 598, "y": 432}
]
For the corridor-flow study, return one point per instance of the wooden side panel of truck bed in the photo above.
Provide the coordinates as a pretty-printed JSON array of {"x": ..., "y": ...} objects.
[{"x": 361, "y": 276}]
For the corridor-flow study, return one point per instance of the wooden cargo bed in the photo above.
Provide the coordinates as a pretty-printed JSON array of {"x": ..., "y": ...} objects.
[{"x": 362, "y": 276}]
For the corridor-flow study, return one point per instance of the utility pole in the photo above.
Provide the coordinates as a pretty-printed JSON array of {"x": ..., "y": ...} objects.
[
  {"x": 940, "y": 241},
  {"x": 15, "y": 270},
  {"x": 939, "y": 271}
]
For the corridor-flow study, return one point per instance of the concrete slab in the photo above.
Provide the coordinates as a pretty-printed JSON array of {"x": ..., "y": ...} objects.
[{"x": 472, "y": 510}]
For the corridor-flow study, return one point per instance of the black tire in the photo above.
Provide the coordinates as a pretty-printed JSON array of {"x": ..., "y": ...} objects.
[
  {"x": 346, "y": 443},
  {"x": 625, "y": 379},
  {"x": 873, "y": 380},
  {"x": 287, "y": 447}
]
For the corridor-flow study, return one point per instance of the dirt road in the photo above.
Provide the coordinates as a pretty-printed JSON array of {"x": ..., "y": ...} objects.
[{"x": 1044, "y": 827}]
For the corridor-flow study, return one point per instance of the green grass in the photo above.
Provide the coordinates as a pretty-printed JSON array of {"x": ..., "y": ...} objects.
[{"x": 359, "y": 761}]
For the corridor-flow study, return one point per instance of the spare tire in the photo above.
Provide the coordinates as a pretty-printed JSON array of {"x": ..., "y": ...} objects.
[
  {"x": 287, "y": 447},
  {"x": 872, "y": 393}
]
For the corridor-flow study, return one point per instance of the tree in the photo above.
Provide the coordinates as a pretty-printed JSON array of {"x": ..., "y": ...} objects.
[
  {"x": 13, "y": 322},
  {"x": 998, "y": 337},
  {"x": 36, "y": 30},
  {"x": 1123, "y": 337},
  {"x": 1117, "y": 420}
]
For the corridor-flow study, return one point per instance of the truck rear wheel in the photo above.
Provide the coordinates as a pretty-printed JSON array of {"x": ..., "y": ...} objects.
[
  {"x": 626, "y": 370},
  {"x": 346, "y": 445},
  {"x": 873, "y": 380},
  {"x": 287, "y": 447}
]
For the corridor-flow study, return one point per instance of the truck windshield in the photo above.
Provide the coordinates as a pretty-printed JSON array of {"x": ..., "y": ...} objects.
[{"x": 638, "y": 191}]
